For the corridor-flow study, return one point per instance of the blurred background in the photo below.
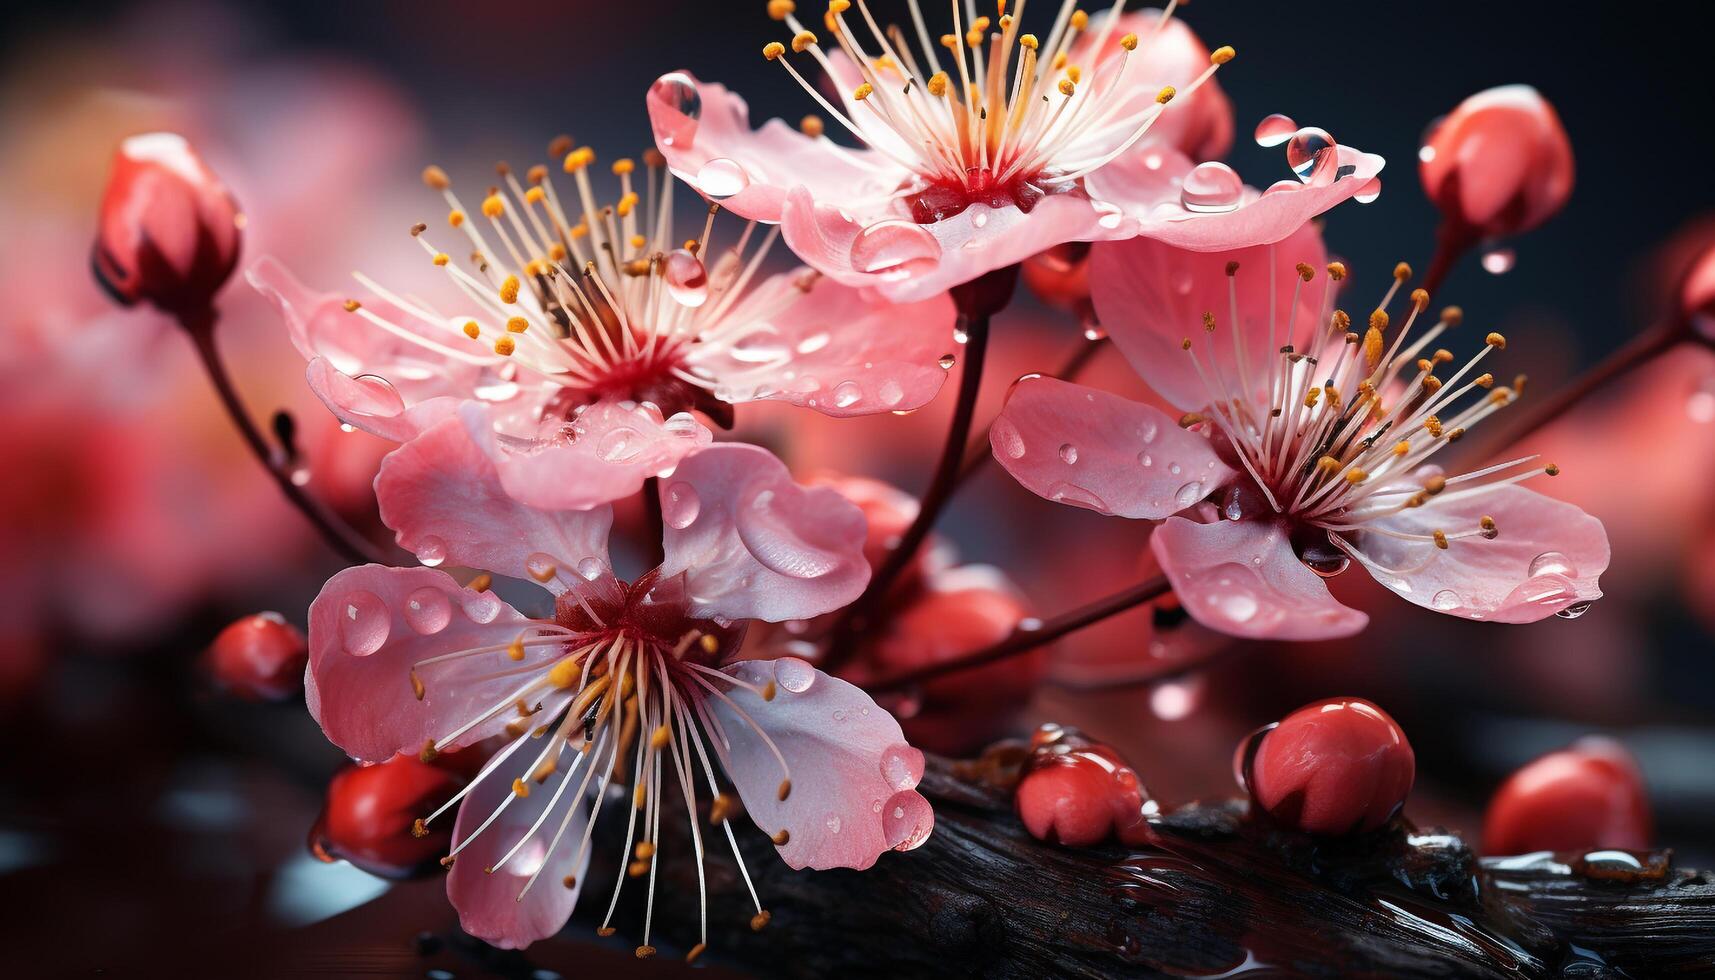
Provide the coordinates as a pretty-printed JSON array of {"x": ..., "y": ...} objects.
[{"x": 146, "y": 818}]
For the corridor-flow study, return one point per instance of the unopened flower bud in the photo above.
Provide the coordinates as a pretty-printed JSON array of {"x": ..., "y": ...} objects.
[
  {"x": 1498, "y": 164},
  {"x": 1335, "y": 767}
]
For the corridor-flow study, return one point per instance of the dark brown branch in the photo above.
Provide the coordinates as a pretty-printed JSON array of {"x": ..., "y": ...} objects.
[{"x": 1220, "y": 893}]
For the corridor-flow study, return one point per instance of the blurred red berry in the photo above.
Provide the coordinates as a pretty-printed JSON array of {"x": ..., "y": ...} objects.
[
  {"x": 169, "y": 230},
  {"x": 889, "y": 511},
  {"x": 1078, "y": 792},
  {"x": 1339, "y": 766},
  {"x": 1060, "y": 277},
  {"x": 1585, "y": 797},
  {"x": 1498, "y": 164},
  {"x": 371, "y": 814},
  {"x": 1697, "y": 294},
  {"x": 260, "y": 657}
]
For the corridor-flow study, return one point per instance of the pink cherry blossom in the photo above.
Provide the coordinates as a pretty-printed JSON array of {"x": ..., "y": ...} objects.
[
  {"x": 411, "y": 660},
  {"x": 980, "y": 156},
  {"x": 1304, "y": 448},
  {"x": 575, "y": 351}
]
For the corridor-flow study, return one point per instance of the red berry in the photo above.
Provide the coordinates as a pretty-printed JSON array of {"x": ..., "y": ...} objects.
[
  {"x": 371, "y": 814},
  {"x": 1079, "y": 793},
  {"x": 169, "y": 229},
  {"x": 1583, "y": 798},
  {"x": 1335, "y": 767},
  {"x": 260, "y": 657}
]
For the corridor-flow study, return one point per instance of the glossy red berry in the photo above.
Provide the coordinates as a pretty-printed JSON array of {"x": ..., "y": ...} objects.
[
  {"x": 169, "y": 230},
  {"x": 260, "y": 657},
  {"x": 1582, "y": 798},
  {"x": 1079, "y": 793},
  {"x": 1335, "y": 767},
  {"x": 372, "y": 812}
]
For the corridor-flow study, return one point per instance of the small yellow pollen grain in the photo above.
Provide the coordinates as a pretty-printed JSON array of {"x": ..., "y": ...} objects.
[
  {"x": 1165, "y": 95},
  {"x": 1066, "y": 87},
  {"x": 1222, "y": 55},
  {"x": 520, "y": 787},
  {"x": 493, "y": 206},
  {"x": 1336, "y": 271},
  {"x": 535, "y": 195},
  {"x": 1401, "y": 447},
  {"x": 515, "y": 649},
  {"x": 803, "y": 40},
  {"x": 1029, "y": 41},
  {"x": 352, "y": 306},
  {"x": 938, "y": 84},
  {"x": 781, "y": 9},
  {"x": 417, "y": 685},
  {"x": 1129, "y": 42},
  {"x": 811, "y": 126},
  {"x": 1496, "y": 340},
  {"x": 436, "y": 178},
  {"x": 1356, "y": 476},
  {"x": 505, "y": 346},
  {"x": 1440, "y": 539},
  {"x": 768, "y": 691},
  {"x": 1080, "y": 20},
  {"x": 509, "y": 290},
  {"x": 471, "y": 330},
  {"x": 442, "y": 258},
  {"x": 863, "y": 91},
  {"x": 773, "y": 50},
  {"x": 1402, "y": 271}
]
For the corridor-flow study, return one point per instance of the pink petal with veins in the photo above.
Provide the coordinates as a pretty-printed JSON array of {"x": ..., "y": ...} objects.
[
  {"x": 443, "y": 499},
  {"x": 853, "y": 779},
  {"x": 755, "y": 545},
  {"x": 1243, "y": 578},
  {"x": 1084, "y": 447}
]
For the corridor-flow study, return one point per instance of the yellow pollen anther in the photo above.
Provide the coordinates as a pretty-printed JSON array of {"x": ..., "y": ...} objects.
[
  {"x": 638, "y": 869},
  {"x": 352, "y": 306},
  {"x": 623, "y": 166},
  {"x": 418, "y": 229},
  {"x": 768, "y": 691},
  {"x": 455, "y": 218},
  {"x": 565, "y": 674},
  {"x": 536, "y": 174},
  {"x": 1208, "y": 321},
  {"x": 1075, "y": 73},
  {"x": 1485, "y": 381},
  {"x": 417, "y": 685},
  {"x": 773, "y": 50},
  {"x": 1551, "y": 470},
  {"x": 1440, "y": 540},
  {"x": 557, "y": 252},
  {"x": 780, "y": 838},
  {"x": 1080, "y": 20},
  {"x": 811, "y": 126},
  {"x": 471, "y": 330},
  {"x": 578, "y": 159},
  {"x": 505, "y": 346},
  {"x": 938, "y": 84},
  {"x": 436, "y": 178},
  {"x": 627, "y": 204},
  {"x": 658, "y": 739},
  {"x": 839, "y": 6},
  {"x": 1402, "y": 272},
  {"x": 1165, "y": 95},
  {"x": 1305, "y": 272},
  {"x": 696, "y": 951},
  {"x": 535, "y": 195},
  {"x": 781, "y": 9},
  {"x": 1356, "y": 476},
  {"x": 509, "y": 290},
  {"x": 1066, "y": 87},
  {"x": 1328, "y": 464},
  {"x": 1129, "y": 42},
  {"x": 418, "y": 828},
  {"x": 1420, "y": 299},
  {"x": 1189, "y": 419},
  {"x": 515, "y": 649},
  {"x": 1336, "y": 271},
  {"x": 785, "y": 790},
  {"x": 863, "y": 91},
  {"x": 1452, "y": 315},
  {"x": 442, "y": 258},
  {"x": 803, "y": 40},
  {"x": 950, "y": 42},
  {"x": 1496, "y": 340},
  {"x": 644, "y": 850},
  {"x": 1222, "y": 55},
  {"x": 1340, "y": 321},
  {"x": 721, "y": 808},
  {"x": 1372, "y": 348},
  {"x": 1378, "y": 320},
  {"x": 493, "y": 206},
  {"x": 570, "y": 881},
  {"x": 428, "y": 753},
  {"x": 1401, "y": 447},
  {"x": 520, "y": 788},
  {"x": 761, "y": 918},
  {"x": 1029, "y": 41}
]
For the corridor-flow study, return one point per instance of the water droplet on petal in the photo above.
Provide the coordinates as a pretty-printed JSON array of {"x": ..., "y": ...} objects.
[
  {"x": 363, "y": 623},
  {"x": 1006, "y": 438},
  {"x": 892, "y": 393},
  {"x": 847, "y": 394},
  {"x": 619, "y": 444},
  {"x": 947, "y": 361},
  {"x": 794, "y": 675},
  {"x": 769, "y": 536},
  {"x": 1275, "y": 129},
  {"x": 895, "y": 249},
  {"x": 814, "y": 343},
  {"x": 1575, "y": 610},
  {"x": 902, "y": 766},
  {"x": 482, "y": 608},
  {"x": 1445, "y": 599},
  {"x": 1313, "y": 156},
  {"x": 1368, "y": 193},
  {"x": 1068, "y": 453},
  {"x": 1071, "y": 493},
  {"x": 1189, "y": 494},
  {"x": 1211, "y": 187},
  {"x": 679, "y": 93},
  {"x": 833, "y": 823},
  {"x": 1234, "y": 602},
  {"x": 906, "y": 820},
  {"x": 1146, "y": 459},
  {"x": 1499, "y": 261},
  {"x": 1552, "y": 563},
  {"x": 591, "y": 568},
  {"x": 680, "y": 505},
  {"x": 431, "y": 551},
  {"x": 379, "y": 397},
  {"x": 428, "y": 610},
  {"x": 721, "y": 178},
  {"x": 1093, "y": 331},
  {"x": 686, "y": 278},
  {"x": 1175, "y": 468}
]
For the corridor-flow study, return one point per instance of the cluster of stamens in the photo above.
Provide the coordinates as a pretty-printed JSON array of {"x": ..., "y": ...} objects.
[
  {"x": 1337, "y": 447},
  {"x": 980, "y": 121},
  {"x": 602, "y": 696}
]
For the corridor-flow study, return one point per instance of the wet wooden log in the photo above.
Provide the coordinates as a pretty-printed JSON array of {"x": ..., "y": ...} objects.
[{"x": 1219, "y": 895}]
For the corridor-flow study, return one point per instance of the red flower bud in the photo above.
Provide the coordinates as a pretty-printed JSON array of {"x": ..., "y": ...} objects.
[
  {"x": 371, "y": 814},
  {"x": 1697, "y": 294},
  {"x": 1498, "y": 164},
  {"x": 1078, "y": 792},
  {"x": 1339, "y": 766},
  {"x": 260, "y": 657},
  {"x": 1586, "y": 797},
  {"x": 1060, "y": 277},
  {"x": 169, "y": 230}
]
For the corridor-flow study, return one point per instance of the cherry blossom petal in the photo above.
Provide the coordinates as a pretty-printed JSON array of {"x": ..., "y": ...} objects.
[
  {"x": 906, "y": 261},
  {"x": 755, "y": 545},
  {"x": 1199, "y": 125},
  {"x": 1546, "y": 558},
  {"x": 443, "y": 499},
  {"x": 368, "y": 628},
  {"x": 489, "y": 905},
  {"x": 703, "y": 130},
  {"x": 375, "y": 407},
  {"x": 1080, "y": 446},
  {"x": 1243, "y": 578},
  {"x": 1145, "y": 186},
  {"x": 828, "y": 346},
  {"x": 601, "y": 455},
  {"x": 853, "y": 778},
  {"x": 1151, "y": 297}
]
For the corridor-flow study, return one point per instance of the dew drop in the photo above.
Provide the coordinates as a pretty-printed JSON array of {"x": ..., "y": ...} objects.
[
  {"x": 680, "y": 505},
  {"x": 902, "y": 766},
  {"x": 1445, "y": 600},
  {"x": 907, "y": 820},
  {"x": 1313, "y": 156},
  {"x": 721, "y": 178},
  {"x": 960, "y": 336},
  {"x": 1499, "y": 261},
  {"x": 1234, "y": 602},
  {"x": 619, "y": 444},
  {"x": 1146, "y": 459},
  {"x": 1575, "y": 610},
  {"x": 1175, "y": 469},
  {"x": 1093, "y": 331},
  {"x": 1068, "y": 453},
  {"x": 847, "y": 394},
  {"x": 947, "y": 361},
  {"x": 1189, "y": 494},
  {"x": 378, "y": 397},
  {"x": 686, "y": 278},
  {"x": 363, "y": 623},
  {"x": 891, "y": 392},
  {"x": 1368, "y": 193},
  {"x": 1552, "y": 563},
  {"x": 428, "y": 610},
  {"x": 1275, "y": 129},
  {"x": 1147, "y": 430},
  {"x": 895, "y": 249},
  {"x": 300, "y": 475},
  {"x": 591, "y": 568},
  {"x": 1006, "y": 438},
  {"x": 431, "y": 551},
  {"x": 679, "y": 93},
  {"x": 772, "y": 540},
  {"x": 1211, "y": 188},
  {"x": 833, "y": 823},
  {"x": 794, "y": 675},
  {"x": 814, "y": 343}
]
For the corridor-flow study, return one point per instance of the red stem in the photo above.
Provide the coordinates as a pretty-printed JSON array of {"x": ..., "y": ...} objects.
[{"x": 347, "y": 542}]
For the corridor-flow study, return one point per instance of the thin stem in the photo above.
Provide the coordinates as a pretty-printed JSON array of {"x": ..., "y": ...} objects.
[
  {"x": 1023, "y": 640},
  {"x": 348, "y": 543},
  {"x": 653, "y": 527},
  {"x": 1451, "y": 244},
  {"x": 979, "y": 455}
]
